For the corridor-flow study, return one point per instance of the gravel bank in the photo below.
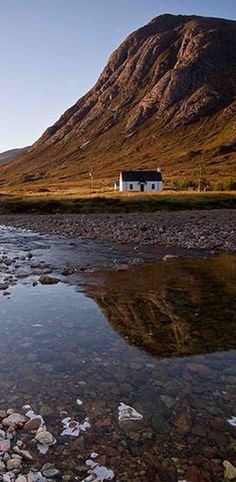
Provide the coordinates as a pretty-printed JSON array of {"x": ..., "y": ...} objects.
[{"x": 214, "y": 229}]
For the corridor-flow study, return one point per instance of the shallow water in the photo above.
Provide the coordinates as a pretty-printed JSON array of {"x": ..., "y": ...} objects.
[{"x": 159, "y": 337}]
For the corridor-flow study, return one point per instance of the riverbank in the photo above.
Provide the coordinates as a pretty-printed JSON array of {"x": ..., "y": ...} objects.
[
  {"x": 52, "y": 202},
  {"x": 208, "y": 230}
]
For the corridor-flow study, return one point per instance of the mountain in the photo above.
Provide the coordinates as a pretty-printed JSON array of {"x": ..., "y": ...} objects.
[
  {"x": 8, "y": 155},
  {"x": 165, "y": 98}
]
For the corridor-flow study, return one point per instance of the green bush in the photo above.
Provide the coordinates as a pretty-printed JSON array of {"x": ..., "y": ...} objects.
[
  {"x": 193, "y": 185},
  {"x": 184, "y": 185},
  {"x": 224, "y": 185}
]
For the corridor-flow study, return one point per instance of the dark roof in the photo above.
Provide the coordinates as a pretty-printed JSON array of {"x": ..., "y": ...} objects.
[{"x": 141, "y": 176}]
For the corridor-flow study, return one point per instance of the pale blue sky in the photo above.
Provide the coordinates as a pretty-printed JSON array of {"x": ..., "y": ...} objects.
[{"x": 52, "y": 52}]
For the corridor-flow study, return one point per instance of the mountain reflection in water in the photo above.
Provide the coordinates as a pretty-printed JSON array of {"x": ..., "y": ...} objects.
[{"x": 178, "y": 307}]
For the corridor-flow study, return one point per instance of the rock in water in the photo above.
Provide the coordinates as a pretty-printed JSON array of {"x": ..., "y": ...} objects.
[
  {"x": 127, "y": 413},
  {"x": 33, "y": 424},
  {"x": 44, "y": 437},
  {"x": 14, "y": 419},
  {"x": 230, "y": 470},
  {"x": 48, "y": 280}
]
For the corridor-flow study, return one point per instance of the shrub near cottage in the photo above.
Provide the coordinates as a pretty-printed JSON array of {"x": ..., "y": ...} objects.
[{"x": 193, "y": 185}]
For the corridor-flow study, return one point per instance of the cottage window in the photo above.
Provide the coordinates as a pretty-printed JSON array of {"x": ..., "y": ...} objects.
[
  {"x": 153, "y": 187},
  {"x": 131, "y": 186}
]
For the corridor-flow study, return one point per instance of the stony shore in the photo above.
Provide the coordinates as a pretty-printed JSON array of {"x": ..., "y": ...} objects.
[{"x": 214, "y": 230}]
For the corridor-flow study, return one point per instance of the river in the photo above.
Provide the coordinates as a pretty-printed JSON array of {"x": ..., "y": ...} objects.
[{"x": 159, "y": 336}]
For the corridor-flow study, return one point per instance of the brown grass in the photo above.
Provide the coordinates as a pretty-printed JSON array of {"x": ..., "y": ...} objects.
[
  {"x": 72, "y": 202},
  {"x": 180, "y": 153}
]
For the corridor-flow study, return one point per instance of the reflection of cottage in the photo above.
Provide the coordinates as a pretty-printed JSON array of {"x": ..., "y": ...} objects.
[{"x": 144, "y": 181}]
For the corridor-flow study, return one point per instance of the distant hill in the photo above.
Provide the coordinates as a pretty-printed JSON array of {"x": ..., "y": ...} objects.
[
  {"x": 166, "y": 98},
  {"x": 8, "y": 155}
]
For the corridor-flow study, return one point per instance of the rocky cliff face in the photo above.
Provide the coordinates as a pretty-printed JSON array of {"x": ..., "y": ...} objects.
[
  {"x": 177, "y": 68},
  {"x": 169, "y": 88}
]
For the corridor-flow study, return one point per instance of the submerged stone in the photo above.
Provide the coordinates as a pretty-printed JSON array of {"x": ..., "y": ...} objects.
[
  {"x": 44, "y": 437},
  {"x": 230, "y": 470}
]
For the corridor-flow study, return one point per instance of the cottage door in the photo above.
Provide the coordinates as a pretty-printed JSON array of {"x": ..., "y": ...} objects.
[{"x": 142, "y": 187}]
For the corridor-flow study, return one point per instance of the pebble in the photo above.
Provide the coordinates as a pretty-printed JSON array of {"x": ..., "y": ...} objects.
[
  {"x": 45, "y": 411},
  {"x": 230, "y": 470},
  {"x": 13, "y": 464},
  {"x": 33, "y": 424},
  {"x": 183, "y": 229},
  {"x": 5, "y": 445},
  {"x": 50, "y": 471},
  {"x": 4, "y": 286},
  {"x": 24, "y": 453},
  {"x": 48, "y": 280},
  {"x": 44, "y": 437},
  {"x": 13, "y": 419}
]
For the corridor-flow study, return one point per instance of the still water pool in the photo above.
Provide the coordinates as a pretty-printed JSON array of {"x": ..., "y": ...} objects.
[{"x": 160, "y": 337}]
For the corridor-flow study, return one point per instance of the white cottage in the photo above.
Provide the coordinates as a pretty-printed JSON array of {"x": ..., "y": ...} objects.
[{"x": 144, "y": 181}]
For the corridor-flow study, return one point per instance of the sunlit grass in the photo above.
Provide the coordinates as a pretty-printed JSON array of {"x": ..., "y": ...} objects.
[{"x": 113, "y": 202}]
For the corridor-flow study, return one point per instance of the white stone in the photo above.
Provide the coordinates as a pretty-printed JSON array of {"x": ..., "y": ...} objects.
[
  {"x": 100, "y": 471},
  {"x": 126, "y": 413},
  {"x": 232, "y": 421},
  {"x": 73, "y": 428}
]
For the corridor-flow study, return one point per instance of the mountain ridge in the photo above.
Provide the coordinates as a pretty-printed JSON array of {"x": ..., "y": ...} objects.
[
  {"x": 11, "y": 153},
  {"x": 166, "y": 96}
]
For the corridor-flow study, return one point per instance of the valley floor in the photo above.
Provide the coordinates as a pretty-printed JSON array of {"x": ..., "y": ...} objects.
[{"x": 209, "y": 230}]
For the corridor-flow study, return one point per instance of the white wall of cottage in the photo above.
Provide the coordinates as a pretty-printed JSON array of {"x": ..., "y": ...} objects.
[{"x": 126, "y": 186}]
